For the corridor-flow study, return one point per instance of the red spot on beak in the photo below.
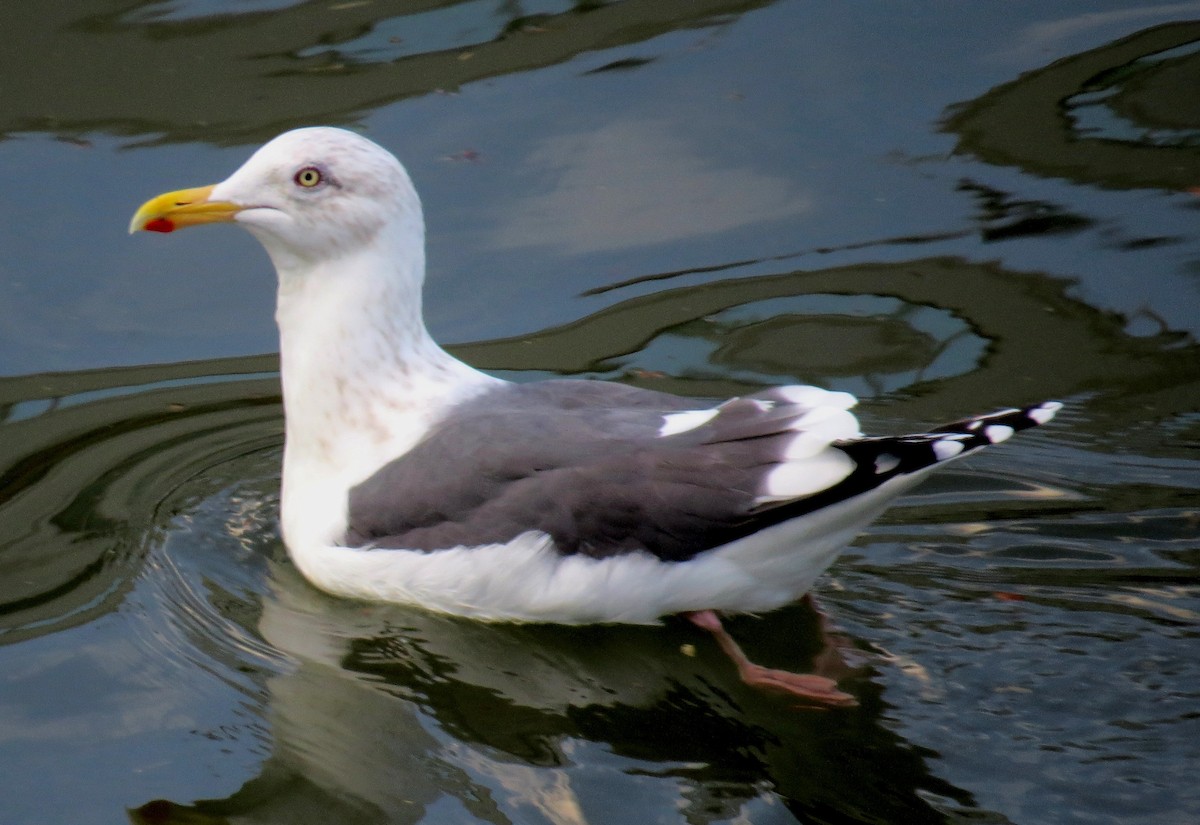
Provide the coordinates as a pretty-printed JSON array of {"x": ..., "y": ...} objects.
[{"x": 159, "y": 225}]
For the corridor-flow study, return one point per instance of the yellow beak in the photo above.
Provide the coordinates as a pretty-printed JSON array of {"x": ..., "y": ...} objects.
[{"x": 187, "y": 207}]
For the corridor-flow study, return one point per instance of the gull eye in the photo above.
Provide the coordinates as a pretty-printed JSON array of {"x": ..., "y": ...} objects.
[{"x": 308, "y": 177}]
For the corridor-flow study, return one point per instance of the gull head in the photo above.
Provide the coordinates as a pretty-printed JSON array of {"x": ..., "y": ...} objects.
[{"x": 309, "y": 196}]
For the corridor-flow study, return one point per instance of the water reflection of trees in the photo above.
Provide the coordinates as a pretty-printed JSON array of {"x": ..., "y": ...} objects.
[
  {"x": 244, "y": 77},
  {"x": 1119, "y": 116}
]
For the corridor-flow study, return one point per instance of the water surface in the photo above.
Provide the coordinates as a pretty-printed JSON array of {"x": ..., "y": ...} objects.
[{"x": 943, "y": 209}]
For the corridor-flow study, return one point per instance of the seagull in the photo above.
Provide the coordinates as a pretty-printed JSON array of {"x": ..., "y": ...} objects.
[{"x": 411, "y": 477}]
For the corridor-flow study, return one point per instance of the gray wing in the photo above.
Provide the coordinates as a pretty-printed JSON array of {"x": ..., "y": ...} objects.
[
  {"x": 585, "y": 463},
  {"x": 582, "y": 461}
]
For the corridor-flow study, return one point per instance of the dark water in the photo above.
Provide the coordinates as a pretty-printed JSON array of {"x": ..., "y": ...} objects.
[{"x": 943, "y": 208}]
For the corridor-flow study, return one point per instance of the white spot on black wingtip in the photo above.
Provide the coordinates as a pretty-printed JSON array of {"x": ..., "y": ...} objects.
[
  {"x": 885, "y": 463},
  {"x": 996, "y": 433},
  {"x": 1045, "y": 412},
  {"x": 945, "y": 449}
]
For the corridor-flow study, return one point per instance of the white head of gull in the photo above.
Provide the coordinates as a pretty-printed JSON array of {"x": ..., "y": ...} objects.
[
  {"x": 362, "y": 378},
  {"x": 411, "y": 477}
]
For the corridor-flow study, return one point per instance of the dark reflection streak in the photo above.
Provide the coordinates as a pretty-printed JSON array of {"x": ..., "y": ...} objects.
[
  {"x": 28, "y": 471},
  {"x": 1003, "y": 217},
  {"x": 622, "y": 65},
  {"x": 93, "y": 568},
  {"x": 142, "y": 378},
  {"x": 1135, "y": 244},
  {"x": 899, "y": 240},
  {"x": 678, "y": 273}
]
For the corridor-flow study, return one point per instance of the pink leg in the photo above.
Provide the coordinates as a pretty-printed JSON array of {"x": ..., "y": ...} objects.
[
  {"x": 829, "y": 662},
  {"x": 810, "y": 687}
]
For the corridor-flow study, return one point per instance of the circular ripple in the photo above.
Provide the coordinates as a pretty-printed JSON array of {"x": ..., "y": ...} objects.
[
  {"x": 86, "y": 469},
  {"x": 865, "y": 344}
]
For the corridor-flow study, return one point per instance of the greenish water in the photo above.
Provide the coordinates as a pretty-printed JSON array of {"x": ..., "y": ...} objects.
[{"x": 943, "y": 208}]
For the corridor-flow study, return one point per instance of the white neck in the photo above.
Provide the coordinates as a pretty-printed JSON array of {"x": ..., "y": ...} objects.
[{"x": 362, "y": 378}]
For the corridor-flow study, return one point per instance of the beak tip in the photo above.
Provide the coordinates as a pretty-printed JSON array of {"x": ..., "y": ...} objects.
[
  {"x": 159, "y": 225},
  {"x": 185, "y": 207}
]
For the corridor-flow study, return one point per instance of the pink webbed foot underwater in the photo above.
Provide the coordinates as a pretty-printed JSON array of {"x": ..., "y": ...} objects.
[{"x": 818, "y": 690}]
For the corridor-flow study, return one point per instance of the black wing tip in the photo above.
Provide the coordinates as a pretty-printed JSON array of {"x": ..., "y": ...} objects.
[
  {"x": 883, "y": 458},
  {"x": 992, "y": 428}
]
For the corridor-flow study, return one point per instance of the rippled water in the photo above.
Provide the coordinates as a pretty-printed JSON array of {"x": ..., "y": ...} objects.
[{"x": 699, "y": 197}]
